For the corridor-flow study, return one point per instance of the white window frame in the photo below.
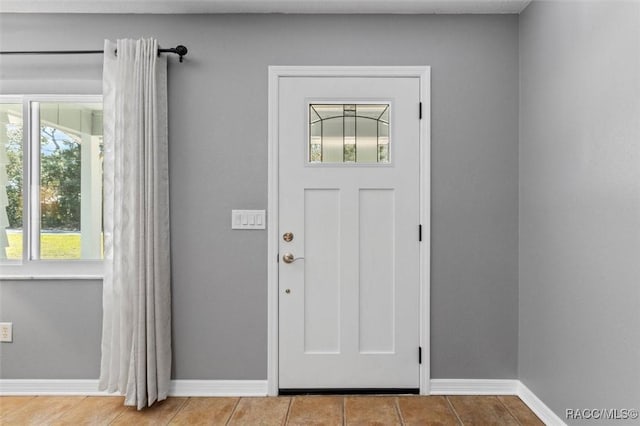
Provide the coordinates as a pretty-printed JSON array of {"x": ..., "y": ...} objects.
[{"x": 28, "y": 268}]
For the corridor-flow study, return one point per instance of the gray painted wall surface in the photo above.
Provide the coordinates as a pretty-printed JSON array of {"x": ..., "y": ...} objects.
[
  {"x": 218, "y": 161},
  {"x": 56, "y": 329},
  {"x": 579, "y": 342}
]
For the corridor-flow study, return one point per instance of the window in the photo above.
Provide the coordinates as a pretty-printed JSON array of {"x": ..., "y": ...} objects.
[
  {"x": 51, "y": 185},
  {"x": 349, "y": 133}
]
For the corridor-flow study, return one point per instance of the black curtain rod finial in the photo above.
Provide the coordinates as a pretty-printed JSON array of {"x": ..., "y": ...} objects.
[{"x": 181, "y": 51}]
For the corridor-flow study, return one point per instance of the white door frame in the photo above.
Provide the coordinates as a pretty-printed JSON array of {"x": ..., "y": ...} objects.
[{"x": 277, "y": 72}]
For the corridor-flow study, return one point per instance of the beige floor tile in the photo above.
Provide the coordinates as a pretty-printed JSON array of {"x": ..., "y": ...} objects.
[
  {"x": 371, "y": 411},
  {"x": 315, "y": 410},
  {"x": 9, "y": 404},
  {"x": 42, "y": 410},
  {"x": 159, "y": 413},
  {"x": 426, "y": 410},
  {"x": 520, "y": 411},
  {"x": 301, "y": 410},
  {"x": 93, "y": 410},
  {"x": 205, "y": 411},
  {"x": 260, "y": 411},
  {"x": 481, "y": 410}
]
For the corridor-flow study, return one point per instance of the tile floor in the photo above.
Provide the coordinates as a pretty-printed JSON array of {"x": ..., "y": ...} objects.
[{"x": 296, "y": 410}]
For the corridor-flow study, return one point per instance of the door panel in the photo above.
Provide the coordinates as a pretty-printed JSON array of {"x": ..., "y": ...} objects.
[
  {"x": 349, "y": 193},
  {"x": 322, "y": 271},
  {"x": 377, "y": 261}
]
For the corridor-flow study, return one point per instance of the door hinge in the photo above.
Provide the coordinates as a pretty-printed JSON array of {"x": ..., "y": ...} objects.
[
  {"x": 420, "y": 110},
  {"x": 419, "y": 232},
  {"x": 277, "y": 257},
  {"x": 419, "y": 354}
]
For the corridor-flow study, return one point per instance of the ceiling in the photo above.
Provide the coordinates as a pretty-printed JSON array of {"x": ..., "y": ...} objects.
[{"x": 263, "y": 6}]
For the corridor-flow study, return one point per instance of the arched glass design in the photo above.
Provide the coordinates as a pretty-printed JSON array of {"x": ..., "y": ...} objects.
[{"x": 349, "y": 133}]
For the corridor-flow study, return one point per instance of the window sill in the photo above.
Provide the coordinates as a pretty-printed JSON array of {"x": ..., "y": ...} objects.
[
  {"x": 52, "y": 270},
  {"x": 50, "y": 277}
]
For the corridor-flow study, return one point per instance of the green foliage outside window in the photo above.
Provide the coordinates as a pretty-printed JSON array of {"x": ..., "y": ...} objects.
[
  {"x": 60, "y": 175},
  {"x": 14, "y": 176}
]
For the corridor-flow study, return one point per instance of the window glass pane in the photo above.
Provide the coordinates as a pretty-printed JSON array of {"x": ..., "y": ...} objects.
[
  {"x": 71, "y": 181},
  {"x": 370, "y": 111},
  {"x": 332, "y": 140},
  {"x": 349, "y": 133},
  {"x": 11, "y": 181},
  {"x": 383, "y": 142},
  {"x": 384, "y": 117},
  {"x": 315, "y": 144},
  {"x": 349, "y": 138},
  {"x": 366, "y": 140}
]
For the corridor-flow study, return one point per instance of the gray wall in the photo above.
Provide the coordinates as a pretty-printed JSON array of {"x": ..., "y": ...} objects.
[
  {"x": 56, "y": 329},
  {"x": 218, "y": 161},
  {"x": 580, "y": 204}
]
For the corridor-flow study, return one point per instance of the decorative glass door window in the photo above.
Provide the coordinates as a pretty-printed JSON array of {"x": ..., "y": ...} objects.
[{"x": 349, "y": 133}]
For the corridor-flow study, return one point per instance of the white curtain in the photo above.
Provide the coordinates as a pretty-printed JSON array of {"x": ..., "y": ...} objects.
[{"x": 136, "y": 333}]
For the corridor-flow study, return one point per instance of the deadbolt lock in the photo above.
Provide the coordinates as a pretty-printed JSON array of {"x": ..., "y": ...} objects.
[{"x": 287, "y": 236}]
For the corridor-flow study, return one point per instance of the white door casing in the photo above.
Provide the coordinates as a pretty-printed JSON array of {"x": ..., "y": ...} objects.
[{"x": 354, "y": 311}]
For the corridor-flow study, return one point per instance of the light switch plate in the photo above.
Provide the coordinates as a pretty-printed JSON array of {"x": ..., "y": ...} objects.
[{"x": 248, "y": 219}]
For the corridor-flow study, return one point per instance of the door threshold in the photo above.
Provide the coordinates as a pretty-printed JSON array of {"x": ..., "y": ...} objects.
[{"x": 349, "y": 391}]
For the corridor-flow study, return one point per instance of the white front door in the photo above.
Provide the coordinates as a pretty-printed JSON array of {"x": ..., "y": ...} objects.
[{"x": 349, "y": 249}]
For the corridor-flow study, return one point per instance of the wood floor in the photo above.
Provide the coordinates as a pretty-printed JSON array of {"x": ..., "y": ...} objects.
[{"x": 297, "y": 410}]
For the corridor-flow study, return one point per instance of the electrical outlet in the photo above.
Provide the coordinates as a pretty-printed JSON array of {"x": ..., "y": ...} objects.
[{"x": 6, "y": 332}]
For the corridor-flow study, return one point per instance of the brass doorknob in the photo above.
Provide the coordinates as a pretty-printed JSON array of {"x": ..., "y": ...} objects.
[{"x": 290, "y": 258}]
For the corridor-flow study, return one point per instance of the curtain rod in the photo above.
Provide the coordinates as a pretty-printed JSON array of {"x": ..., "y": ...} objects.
[{"x": 179, "y": 50}]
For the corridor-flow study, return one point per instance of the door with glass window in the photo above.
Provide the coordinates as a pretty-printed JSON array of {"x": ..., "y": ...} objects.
[{"x": 349, "y": 269}]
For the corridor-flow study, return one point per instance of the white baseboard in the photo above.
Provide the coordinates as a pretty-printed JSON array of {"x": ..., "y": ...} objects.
[
  {"x": 259, "y": 388},
  {"x": 497, "y": 387},
  {"x": 474, "y": 387},
  {"x": 178, "y": 387},
  {"x": 49, "y": 387},
  {"x": 537, "y": 406},
  {"x": 218, "y": 388}
]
